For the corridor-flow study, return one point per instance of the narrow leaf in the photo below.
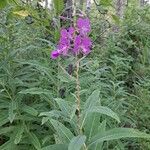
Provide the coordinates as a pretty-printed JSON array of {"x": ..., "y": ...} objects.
[
  {"x": 105, "y": 111},
  {"x": 59, "y": 5},
  {"x": 56, "y": 147},
  {"x": 63, "y": 132},
  {"x": 6, "y": 130},
  {"x": 35, "y": 91},
  {"x": 91, "y": 124},
  {"x": 63, "y": 105},
  {"x": 34, "y": 140},
  {"x": 3, "y": 3},
  {"x": 98, "y": 146},
  {"x": 77, "y": 142},
  {"x": 18, "y": 137},
  {"x": 117, "y": 133},
  {"x": 22, "y": 13},
  {"x": 92, "y": 100},
  {"x": 11, "y": 113},
  {"x": 30, "y": 110}
]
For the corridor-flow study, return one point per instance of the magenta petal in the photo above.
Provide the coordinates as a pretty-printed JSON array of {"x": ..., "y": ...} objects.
[
  {"x": 71, "y": 30},
  {"x": 83, "y": 26},
  {"x": 64, "y": 41},
  {"x": 85, "y": 50},
  {"x": 86, "y": 45},
  {"x": 77, "y": 44},
  {"x": 54, "y": 54},
  {"x": 64, "y": 33},
  {"x": 77, "y": 40},
  {"x": 80, "y": 23},
  {"x": 86, "y": 41},
  {"x": 65, "y": 51}
]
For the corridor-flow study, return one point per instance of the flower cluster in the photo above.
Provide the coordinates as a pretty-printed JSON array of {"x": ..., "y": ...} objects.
[{"x": 74, "y": 40}]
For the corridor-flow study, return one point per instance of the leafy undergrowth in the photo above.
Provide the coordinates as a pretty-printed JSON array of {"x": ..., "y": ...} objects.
[{"x": 37, "y": 94}]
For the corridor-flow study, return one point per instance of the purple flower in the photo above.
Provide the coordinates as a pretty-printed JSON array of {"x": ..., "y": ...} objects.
[
  {"x": 67, "y": 33},
  {"x": 77, "y": 43},
  {"x": 63, "y": 45},
  {"x": 64, "y": 41},
  {"x": 83, "y": 26},
  {"x": 71, "y": 30},
  {"x": 54, "y": 54},
  {"x": 74, "y": 41},
  {"x": 63, "y": 49},
  {"x": 86, "y": 45},
  {"x": 63, "y": 33},
  {"x": 82, "y": 44}
]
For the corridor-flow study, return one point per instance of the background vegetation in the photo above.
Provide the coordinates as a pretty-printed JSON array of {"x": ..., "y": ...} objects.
[{"x": 37, "y": 95}]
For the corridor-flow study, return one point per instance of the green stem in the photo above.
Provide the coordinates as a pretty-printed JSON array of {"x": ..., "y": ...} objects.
[
  {"x": 78, "y": 94},
  {"x": 78, "y": 100}
]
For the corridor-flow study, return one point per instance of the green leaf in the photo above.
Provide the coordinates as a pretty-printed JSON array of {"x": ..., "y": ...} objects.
[
  {"x": 58, "y": 5},
  {"x": 64, "y": 106},
  {"x": 64, "y": 133},
  {"x": 44, "y": 120},
  {"x": 20, "y": 130},
  {"x": 100, "y": 128},
  {"x": 12, "y": 107},
  {"x": 7, "y": 145},
  {"x": 3, "y": 3},
  {"x": 6, "y": 129},
  {"x": 56, "y": 147},
  {"x": 91, "y": 124},
  {"x": 39, "y": 67},
  {"x": 30, "y": 110},
  {"x": 117, "y": 133},
  {"x": 3, "y": 120},
  {"x": 106, "y": 2},
  {"x": 34, "y": 140},
  {"x": 116, "y": 19},
  {"x": 92, "y": 100},
  {"x": 35, "y": 91},
  {"x": 105, "y": 111},
  {"x": 77, "y": 142},
  {"x": 50, "y": 114}
]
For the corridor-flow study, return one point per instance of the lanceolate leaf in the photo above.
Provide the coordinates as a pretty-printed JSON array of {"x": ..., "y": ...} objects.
[
  {"x": 18, "y": 137},
  {"x": 115, "y": 18},
  {"x": 6, "y": 130},
  {"x": 6, "y": 145},
  {"x": 59, "y": 5},
  {"x": 35, "y": 91},
  {"x": 106, "y": 2},
  {"x": 117, "y": 133},
  {"x": 56, "y": 147},
  {"x": 92, "y": 100},
  {"x": 91, "y": 125},
  {"x": 77, "y": 142},
  {"x": 50, "y": 114},
  {"x": 3, "y": 3},
  {"x": 3, "y": 120},
  {"x": 30, "y": 110},
  {"x": 100, "y": 129},
  {"x": 63, "y": 105},
  {"x": 34, "y": 140},
  {"x": 105, "y": 111},
  {"x": 12, "y": 107},
  {"x": 63, "y": 132},
  {"x": 22, "y": 13}
]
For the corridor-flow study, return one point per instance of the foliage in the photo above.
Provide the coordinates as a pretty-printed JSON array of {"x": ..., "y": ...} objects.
[{"x": 38, "y": 96}]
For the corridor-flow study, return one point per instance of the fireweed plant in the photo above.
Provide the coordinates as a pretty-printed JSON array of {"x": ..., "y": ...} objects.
[
  {"x": 29, "y": 82},
  {"x": 88, "y": 130},
  {"x": 75, "y": 41}
]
